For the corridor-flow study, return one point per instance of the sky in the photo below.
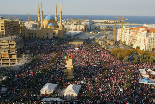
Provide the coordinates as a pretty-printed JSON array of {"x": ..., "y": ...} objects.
[{"x": 80, "y": 7}]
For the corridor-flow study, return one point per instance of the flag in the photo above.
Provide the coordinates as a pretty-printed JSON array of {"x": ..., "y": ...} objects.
[
  {"x": 72, "y": 56},
  {"x": 65, "y": 57}
]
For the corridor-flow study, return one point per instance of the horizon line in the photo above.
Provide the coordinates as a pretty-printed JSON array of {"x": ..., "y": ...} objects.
[{"x": 83, "y": 15}]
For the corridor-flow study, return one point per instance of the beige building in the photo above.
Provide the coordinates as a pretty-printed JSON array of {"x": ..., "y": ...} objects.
[
  {"x": 9, "y": 50},
  {"x": 145, "y": 39},
  {"x": 142, "y": 37},
  {"x": 48, "y": 27},
  {"x": 11, "y": 28}
]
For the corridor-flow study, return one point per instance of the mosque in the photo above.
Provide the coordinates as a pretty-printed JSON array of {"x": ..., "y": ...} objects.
[{"x": 48, "y": 27}]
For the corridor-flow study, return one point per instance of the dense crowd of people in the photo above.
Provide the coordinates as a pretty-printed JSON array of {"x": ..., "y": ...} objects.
[{"x": 104, "y": 79}]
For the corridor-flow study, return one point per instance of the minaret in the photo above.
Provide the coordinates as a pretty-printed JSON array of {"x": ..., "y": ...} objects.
[
  {"x": 60, "y": 17},
  {"x": 41, "y": 16},
  {"x": 38, "y": 16},
  {"x": 56, "y": 14}
]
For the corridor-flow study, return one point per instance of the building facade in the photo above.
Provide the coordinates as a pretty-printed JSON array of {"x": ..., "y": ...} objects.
[
  {"x": 48, "y": 27},
  {"x": 43, "y": 28},
  {"x": 9, "y": 50},
  {"x": 138, "y": 37},
  {"x": 79, "y": 25},
  {"x": 124, "y": 35},
  {"x": 12, "y": 28}
]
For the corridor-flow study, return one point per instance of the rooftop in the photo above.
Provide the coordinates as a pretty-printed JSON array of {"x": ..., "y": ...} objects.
[{"x": 49, "y": 17}]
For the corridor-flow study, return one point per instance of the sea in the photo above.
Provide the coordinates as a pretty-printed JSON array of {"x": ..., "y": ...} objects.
[{"x": 131, "y": 19}]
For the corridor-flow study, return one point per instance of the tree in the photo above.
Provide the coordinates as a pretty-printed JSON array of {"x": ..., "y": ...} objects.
[
  {"x": 140, "y": 57},
  {"x": 135, "y": 61},
  {"x": 146, "y": 56},
  {"x": 152, "y": 59},
  {"x": 136, "y": 57},
  {"x": 137, "y": 47},
  {"x": 131, "y": 45},
  {"x": 126, "y": 58}
]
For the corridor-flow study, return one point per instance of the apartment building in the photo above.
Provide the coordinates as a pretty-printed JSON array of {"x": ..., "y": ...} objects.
[
  {"x": 142, "y": 37},
  {"x": 9, "y": 50},
  {"x": 11, "y": 28},
  {"x": 124, "y": 35}
]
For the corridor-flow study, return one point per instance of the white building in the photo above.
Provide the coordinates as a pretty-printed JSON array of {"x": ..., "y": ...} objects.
[
  {"x": 79, "y": 25},
  {"x": 142, "y": 37},
  {"x": 90, "y": 24},
  {"x": 126, "y": 36},
  {"x": 31, "y": 25}
]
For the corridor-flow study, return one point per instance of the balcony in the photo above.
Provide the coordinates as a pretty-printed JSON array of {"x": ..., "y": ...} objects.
[
  {"x": 4, "y": 43},
  {"x": 12, "y": 61},
  {"x": 5, "y": 61}
]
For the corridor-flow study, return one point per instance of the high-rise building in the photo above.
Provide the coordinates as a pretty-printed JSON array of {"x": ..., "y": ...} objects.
[
  {"x": 11, "y": 28},
  {"x": 9, "y": 50},
  {"x": 142, "y": 37}
]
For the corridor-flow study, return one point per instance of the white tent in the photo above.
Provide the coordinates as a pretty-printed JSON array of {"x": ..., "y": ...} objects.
[
  {"x": 48, "y": 88},
  {"x": 72, "y": 90}
]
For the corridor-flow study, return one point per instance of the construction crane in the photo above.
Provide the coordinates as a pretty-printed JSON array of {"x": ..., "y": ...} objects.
[
  {"x": 104, "y": 32},
  {"x": 121, "y": 27},
  {"x": 71, "y": 20},
  {"x": 114, "y": 30},
  {"x": 28, "y": 16},
  {"x": 86, "y": 23},
  {"x": 67, "y": 24}
]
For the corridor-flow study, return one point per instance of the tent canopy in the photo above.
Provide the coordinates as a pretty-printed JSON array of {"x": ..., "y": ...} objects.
[
  {"x": 48, "y": 88},
  {"x": 72, "y": 90}
]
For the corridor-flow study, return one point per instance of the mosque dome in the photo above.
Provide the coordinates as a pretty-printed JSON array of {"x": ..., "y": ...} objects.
[
  {"x": 49, "y": 17},
  {"x": 50, "y": 24}
]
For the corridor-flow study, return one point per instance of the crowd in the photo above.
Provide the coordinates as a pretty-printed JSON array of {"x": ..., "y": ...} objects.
[{"x": 104, "y": 79}]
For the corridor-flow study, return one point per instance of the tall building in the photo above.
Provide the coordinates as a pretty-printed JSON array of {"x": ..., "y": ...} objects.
[
  {"x": 142, "y": 37},
  {"x": 9, "y": 50},
  {"x": 11, "y": 28},
  {"x": 49, "y": 27},
  {"x": 125, "y": 35}
]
